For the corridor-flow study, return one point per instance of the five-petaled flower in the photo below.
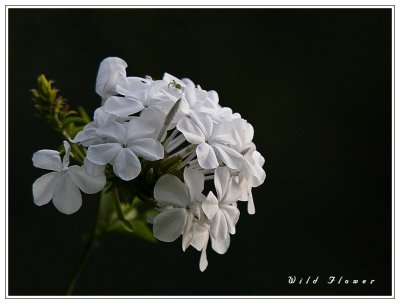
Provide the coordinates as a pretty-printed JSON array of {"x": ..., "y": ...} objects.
[{"x": 62, "y": 186}]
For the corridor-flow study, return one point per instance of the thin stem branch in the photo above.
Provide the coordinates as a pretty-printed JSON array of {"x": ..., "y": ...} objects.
[
  {"x": 174, "y": 144},
  {"x": 171, "y": 137},
  {"x": 186, "y": 161}
]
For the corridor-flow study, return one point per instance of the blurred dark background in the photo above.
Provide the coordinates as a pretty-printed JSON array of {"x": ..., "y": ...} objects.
[{"x": 315, "y": 84}]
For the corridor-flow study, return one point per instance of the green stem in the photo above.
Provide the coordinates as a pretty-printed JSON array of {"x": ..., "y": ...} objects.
[
  {"x": 90, "y": 245},
  {"x": 128, "y": 225}
]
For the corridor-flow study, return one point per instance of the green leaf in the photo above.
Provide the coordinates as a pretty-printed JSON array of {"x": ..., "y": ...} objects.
[
  {"x": 110, "y": 221},
  {"x": 84, "y": 114},
  {"x": 143, "y": 231}
]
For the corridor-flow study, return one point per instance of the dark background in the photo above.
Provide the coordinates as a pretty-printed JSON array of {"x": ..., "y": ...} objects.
[{"x": 315, "y": 84}]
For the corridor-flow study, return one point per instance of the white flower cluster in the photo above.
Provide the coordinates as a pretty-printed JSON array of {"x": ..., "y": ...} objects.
[{"x": 142, "y": 118}]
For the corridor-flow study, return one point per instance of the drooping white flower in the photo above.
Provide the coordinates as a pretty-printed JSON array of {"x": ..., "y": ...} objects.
[
  {"x": 63, "y": 185},
  {"x": 125, "y": 142},
  {"x": 181, "y": 212},
  {"x": 200, "y": 234},
  {"x": 222, "y": 210},
  {"x": 250, "y": 176},
  {"x": 180, "y": 202},
  {"x": 213, "y": 141}
]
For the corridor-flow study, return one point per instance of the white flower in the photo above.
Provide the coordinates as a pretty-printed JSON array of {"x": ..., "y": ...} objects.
[
  {"x": 181, "y": 213},
  {"x": 111, "y": 72},
  {"x": 139, "y": 93},
  {"x": 180, "y": 202},
  {"x": 222, "y": 210},
  {"x": 213, "y": 141},
  {"x": 88, "y": 136},
  {"x": 194, "y": 99},
  {"x": 125, "y": 142},
  {"x": 62, "y": 186}
]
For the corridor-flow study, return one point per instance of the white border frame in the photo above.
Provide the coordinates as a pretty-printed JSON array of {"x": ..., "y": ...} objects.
[{"x": 75, "y": 4}]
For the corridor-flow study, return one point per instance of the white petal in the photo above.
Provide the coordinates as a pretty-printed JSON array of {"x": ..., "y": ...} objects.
[
  {"x": 248, "y": 132},
  {"x": 232, "y": 214},
  {"x": 229, "y": 156},
  {"x": 210, "y": 205},
  {"x": 66, "y": 196},
  {"x": 203, "y": 259},
  {"x": 135, "y": 87},
  {"x": 43, "y": 187},
  {"x": 221, "y": 180},
  {"x": 219, "y": 227},
  {"x": 204, "y": 122},
  {"x": 184, "y": 107},
  {"x": 103, "y": 153},
  {"x": 200, "y": 236},
  {"x": 92, "y": 168},
  {"x": 126, "y": 165},
  {"x": 206, "y": 156},
  {"x": 88, "y": 184},
  {"x": 220, "y": 245},
  {"x": 47, "y": 159},
  {"x": 223, "y": 133},
  {"x": 190, "y": 130},
  {"x": 147, "y": 148},
  {"x": 138, "y": 128},
  {"x": 102, "y": 117},
  {"x": 122, "y": 106},
  {"x": 213, "y": 95},
  {"x": 111, "y": 70},
  {"x": 112, "y": 131},
  {"x": 187, "y": 235},
  {"x": 67, "y": 149},
  {"x": 85, "y": 135},
  {"x": 169, "y": 224},
  {"x": 258, "y": 174},
  {"x": 253, "y": 173},
  {"x": 194, "y": 181},
  {"x": 154, "y": 117},
  {"x": 251, "y": 208},
  {"x": 170, "y": 190},
  {"x": 258, "y": 158},
  {"x": 233, "y": 193}
]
